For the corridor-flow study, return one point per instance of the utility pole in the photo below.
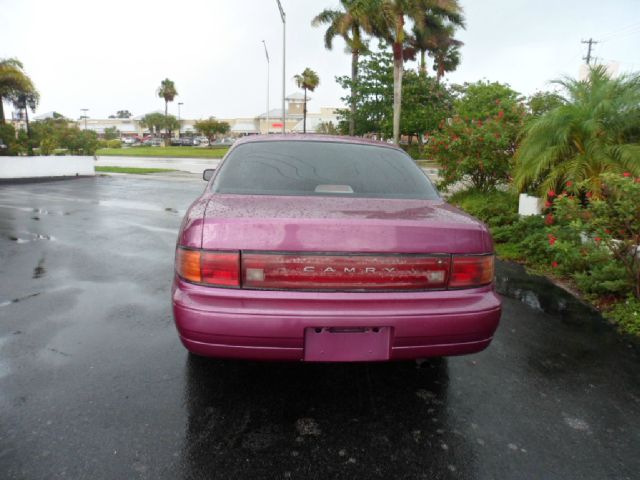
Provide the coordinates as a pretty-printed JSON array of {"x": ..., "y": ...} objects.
[
  {"x": 284, "y": 50},
  {"x": 589, "y": 42},
  {"x": 84, "y": 114},
  {"x": 266, "y": 52},
  {"x": 179, "y": 122}
]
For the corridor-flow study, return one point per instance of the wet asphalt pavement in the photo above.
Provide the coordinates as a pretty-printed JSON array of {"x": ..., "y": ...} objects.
[{"x": 95, "y": 384}]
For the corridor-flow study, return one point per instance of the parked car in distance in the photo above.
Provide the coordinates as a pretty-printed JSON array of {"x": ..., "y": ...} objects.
[
  {"x": 313, "y": 248},
  {"x": 187, "y": 141},
  {"x": 153, "y": 142},
  {"x": 225, "y": 141},
  {"x": 129, "y": 140},
  {"x": 203, "y": 141}
]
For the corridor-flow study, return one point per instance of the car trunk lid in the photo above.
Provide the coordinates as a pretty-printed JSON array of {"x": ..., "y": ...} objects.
[{"x": 340, "y": 225}]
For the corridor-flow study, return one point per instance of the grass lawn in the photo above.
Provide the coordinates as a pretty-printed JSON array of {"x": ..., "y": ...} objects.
[
  {"x": 175, "y": 152},
  {"x": 133, "y": 170}
]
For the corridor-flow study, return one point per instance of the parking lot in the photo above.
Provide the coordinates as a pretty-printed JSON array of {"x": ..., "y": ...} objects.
[{"x": 95, "y": 384}]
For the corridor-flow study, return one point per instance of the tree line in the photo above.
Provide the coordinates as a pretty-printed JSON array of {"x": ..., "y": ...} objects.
[{"x": 407, "y": 28}]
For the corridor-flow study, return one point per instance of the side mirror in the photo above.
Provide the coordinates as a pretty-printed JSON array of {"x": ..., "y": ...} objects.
[{"x": 208, "y": 173}]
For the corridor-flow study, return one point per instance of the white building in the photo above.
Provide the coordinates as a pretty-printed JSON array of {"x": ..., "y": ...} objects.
[{"x": 239, "y": 126}]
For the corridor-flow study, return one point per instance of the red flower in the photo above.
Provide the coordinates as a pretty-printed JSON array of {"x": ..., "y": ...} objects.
[
  {"x": 626, "y": 174},
  {"x": 569, "y": 184},
  {"x": 548, "y": 220},
  {"x": 589, "y": 194},
  {"x": 501, "y": 114},
  {"x": 554, "y": 264},
  {"x": 551, "y": 194},
  {"x": 479, "y": 123},
  {"x": 547, "y": 204},
  {"x": 598, "y": 239},
  {"x": 607, "y": 231},
  {"x": 552, "y": 239}
]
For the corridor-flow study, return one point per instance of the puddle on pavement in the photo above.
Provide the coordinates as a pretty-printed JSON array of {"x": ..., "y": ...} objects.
[
  {"x": 39, "y": 211},
  {"x": 539, "y": 293},
  {"x": 4, "y": 367},
  {"x": 19, "y": 299},
  {"x": 39, "y": 271},
  {"x": 31, "y": 237}
]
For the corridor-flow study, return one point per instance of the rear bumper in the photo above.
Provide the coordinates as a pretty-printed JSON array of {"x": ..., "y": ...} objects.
[{"x": 271, "y": 325}]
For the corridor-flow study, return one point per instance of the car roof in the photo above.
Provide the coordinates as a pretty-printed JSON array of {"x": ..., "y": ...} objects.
[{"x": 313, "y": 138}]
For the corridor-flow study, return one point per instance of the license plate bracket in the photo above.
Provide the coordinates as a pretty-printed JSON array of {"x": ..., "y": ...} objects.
[{"x": 347, "y": 344}]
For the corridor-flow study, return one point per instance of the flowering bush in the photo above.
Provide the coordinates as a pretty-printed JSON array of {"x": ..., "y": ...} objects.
[
  {"x": 476, "y": 150},
  {"x": 612, "y": 225}
]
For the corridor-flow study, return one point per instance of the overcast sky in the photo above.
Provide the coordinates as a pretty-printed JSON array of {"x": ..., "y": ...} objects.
[{"x": 108, "y": 56}]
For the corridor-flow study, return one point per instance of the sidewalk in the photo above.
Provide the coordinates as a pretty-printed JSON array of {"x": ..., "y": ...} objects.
[{"x": 191, "y": 165}]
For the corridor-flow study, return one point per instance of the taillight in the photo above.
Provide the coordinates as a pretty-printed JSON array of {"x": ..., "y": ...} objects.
[
  {"x": 471, "y": 271},
  {"x": 333, "y": 272},
  {"x": 211, "y": 268},
  {"x": 344, "y": 272},
  {"x": 188, "y": 264}
]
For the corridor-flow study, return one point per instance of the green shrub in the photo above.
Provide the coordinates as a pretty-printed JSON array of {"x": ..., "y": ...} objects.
[
  {"x": 413, "y": 151},
  {"x": 48, "y": 146},
  {"x": 495, "y": 208},
  {"x": 53, "y": 133},
  {"x": 627, "y": 315},
  {"x": 8, "y": 138},
  {"x": 517, "y": 231},
  {"x": 114, "y": 143},
  {"x": 605, "y": 278},
  {"x": 612, "y": 222},
  {"x": 111, "y": 133}
]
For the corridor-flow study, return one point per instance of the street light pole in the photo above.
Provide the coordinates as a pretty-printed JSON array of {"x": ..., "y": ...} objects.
[
  {"x": 84, "y": 110},
  {"x": 284, "y": 51},
  {"x": 266, "y": 52},
  {"x": 179, "y": 124}
]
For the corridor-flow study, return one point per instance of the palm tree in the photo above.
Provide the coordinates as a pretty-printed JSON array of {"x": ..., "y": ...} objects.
[
  {"x": 13, "y": 81},
  {"x": 167, "y": 90},
  {"x": 390, "y": 26},
  {"x": 307, "y": 80},
  {"x": 446, "y": 56},
  {"x": 24, "y": 101},
  {"x": 596, "y": 131},
  {"x": 350, "y": 23},
  {"x": 429, "y": 36},
  {"x": 422, "y": 42}
]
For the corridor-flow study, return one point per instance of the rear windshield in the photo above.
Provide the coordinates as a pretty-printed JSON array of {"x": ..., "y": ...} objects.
[{"x": 323, "y": 169}]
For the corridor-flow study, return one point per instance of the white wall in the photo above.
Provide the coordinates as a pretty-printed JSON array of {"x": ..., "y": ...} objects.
[{"x": 46, "y": 166}]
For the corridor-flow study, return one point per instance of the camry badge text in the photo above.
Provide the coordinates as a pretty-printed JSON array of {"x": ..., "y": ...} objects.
[{"x": 311, "y": 269}]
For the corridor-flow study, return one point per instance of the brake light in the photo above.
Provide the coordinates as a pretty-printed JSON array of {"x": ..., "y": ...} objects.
[
  {"x": 345, "y": 272},
  {"x": 471, "y": 271},
  {"x": 212, "y": 268}
]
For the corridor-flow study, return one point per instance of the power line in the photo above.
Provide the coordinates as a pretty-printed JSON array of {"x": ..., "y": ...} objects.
[{"x": 621, "y": 31}]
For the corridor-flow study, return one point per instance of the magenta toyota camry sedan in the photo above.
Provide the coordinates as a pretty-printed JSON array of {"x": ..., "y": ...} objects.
[{"x": 330, "y": 249}]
